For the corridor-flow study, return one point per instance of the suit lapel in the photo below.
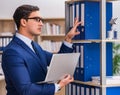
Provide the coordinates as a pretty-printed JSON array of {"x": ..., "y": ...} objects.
[{"x": 39, "y": 59}]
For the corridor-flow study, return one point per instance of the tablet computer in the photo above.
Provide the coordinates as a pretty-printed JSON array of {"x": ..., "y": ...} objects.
[{"x": 60, "y": 65}]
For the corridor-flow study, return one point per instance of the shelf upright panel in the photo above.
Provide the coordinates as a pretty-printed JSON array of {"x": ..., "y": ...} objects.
[
  {"x": 103, "y": 46},
  {"x": 67, "y": 17}
]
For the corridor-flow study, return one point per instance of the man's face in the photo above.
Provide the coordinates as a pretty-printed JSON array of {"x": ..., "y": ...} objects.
[{"x": 34, "y": 24}]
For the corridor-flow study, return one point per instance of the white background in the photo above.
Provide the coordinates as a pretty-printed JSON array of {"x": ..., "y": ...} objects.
[
  {"x": 48, "y": 8},
  {"x": 116, "y": 14}
]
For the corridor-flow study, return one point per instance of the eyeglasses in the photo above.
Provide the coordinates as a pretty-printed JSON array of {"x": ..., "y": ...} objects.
[{"x": 37, "y": 19}]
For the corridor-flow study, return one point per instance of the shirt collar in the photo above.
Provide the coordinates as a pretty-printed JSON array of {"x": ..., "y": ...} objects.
[{"x": 25, "y": 39}]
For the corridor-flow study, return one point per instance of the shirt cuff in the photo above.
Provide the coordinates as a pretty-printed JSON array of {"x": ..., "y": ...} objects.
[
  {"x": 57, "y": 87},
  {"x": 68, "y": 44}
]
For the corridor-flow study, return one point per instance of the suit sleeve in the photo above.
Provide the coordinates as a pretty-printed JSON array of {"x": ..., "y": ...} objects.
[
  {"x": 65, "y": 49},
  {"x": 17, "y": 74}
]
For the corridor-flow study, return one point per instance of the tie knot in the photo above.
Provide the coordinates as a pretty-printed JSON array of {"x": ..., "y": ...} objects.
[
  {"x": 33, "y": 45},
  {"x": 32, "y": 42}
]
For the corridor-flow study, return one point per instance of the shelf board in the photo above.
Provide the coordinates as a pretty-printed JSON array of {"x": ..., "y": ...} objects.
[
  {"x": 96, "y": 85},
  {"x": 59, "y": 37},
  {"x": 6, "y": 36},
  {"x": 86, "y": 41},
  {"x": 5, "y": 19},
  {"x": 47, "y": 19},
  {"x": 113, "y": 40},
  {"x": 95, "y": 41},
  {"x": 87, "y": 83},
  {"x": 52, "y": 35}
]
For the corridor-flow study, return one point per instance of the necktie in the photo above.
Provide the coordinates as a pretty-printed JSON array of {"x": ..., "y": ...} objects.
[
  {"x": 34, "y": 45},
  {"x": 35, "y": 48}
]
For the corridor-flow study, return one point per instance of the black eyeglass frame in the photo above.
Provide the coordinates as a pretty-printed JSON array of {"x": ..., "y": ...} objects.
[{"x": 37, "y": 19}]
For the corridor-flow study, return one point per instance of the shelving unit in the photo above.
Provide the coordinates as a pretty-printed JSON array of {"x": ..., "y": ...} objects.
[
  {"x": 92, "y": 43},
  {"x": 52, "y": 39},
  {"x": 7, "y": 29},
  {"x": 7, "y": 25},
  {"x": 60, "y": 36}
]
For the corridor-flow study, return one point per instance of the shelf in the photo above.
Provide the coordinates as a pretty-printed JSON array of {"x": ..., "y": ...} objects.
[
  {"x": 87, "y": 83},
  {"x": 53, "y": 33},
  {"x": 97, "y": 85},
  {"x": 95, "y": 41},
  {"x": 52, "y": 24},
  {"x": 53, "y": 37},
  {"x": 60, "y": 36},
  {"x": 6, "y": 19},
  {"x": 6, "y": 36},
  {"x": 7, "y": 25},
  {"x": 86, "y": 41},
  {"x": 49, "y": 19}
]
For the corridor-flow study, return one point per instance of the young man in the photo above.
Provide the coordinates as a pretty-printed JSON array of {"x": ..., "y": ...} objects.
[{"x": 23, "y": 67}]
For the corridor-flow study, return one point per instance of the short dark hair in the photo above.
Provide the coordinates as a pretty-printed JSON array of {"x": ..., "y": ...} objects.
[{"x": 23, "y": 12}]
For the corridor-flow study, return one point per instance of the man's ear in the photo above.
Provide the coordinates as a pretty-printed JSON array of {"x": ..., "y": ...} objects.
[{"x": 23, "y": 22}]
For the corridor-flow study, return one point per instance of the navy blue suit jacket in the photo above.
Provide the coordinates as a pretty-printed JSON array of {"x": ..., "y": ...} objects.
[{"x": 23, "y": 68}]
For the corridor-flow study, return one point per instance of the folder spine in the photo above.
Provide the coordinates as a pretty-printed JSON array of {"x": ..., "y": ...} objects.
[{"x": 82, "y": 89}]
